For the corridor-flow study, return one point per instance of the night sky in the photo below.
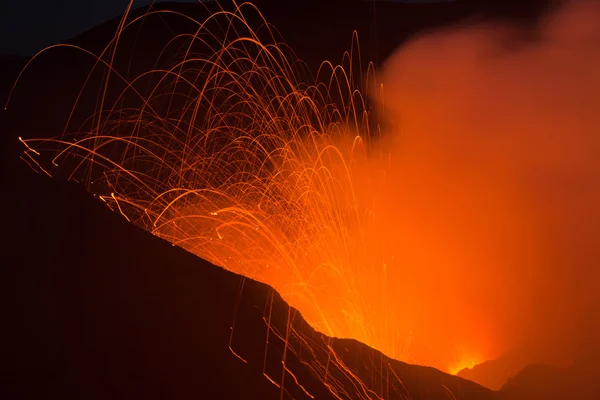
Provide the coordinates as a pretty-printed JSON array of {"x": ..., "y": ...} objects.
[{"x": 24, "y": 31}]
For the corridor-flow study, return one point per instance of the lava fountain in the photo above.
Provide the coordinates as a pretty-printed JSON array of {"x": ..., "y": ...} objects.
[{"x": 231, "y": 155}]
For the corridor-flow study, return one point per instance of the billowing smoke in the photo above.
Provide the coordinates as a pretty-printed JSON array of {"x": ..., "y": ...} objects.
[{"x": 493, "y": 187}]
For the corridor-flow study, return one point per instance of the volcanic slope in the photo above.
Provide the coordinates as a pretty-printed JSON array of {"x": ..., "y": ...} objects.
[{"x": 97, "y": 308}]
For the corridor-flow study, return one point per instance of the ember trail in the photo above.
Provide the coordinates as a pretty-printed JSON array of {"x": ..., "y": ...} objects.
[{"x": 234, "y": 152}]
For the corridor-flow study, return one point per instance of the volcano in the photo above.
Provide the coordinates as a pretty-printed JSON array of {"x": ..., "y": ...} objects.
[{"x": 98, "y": 308}]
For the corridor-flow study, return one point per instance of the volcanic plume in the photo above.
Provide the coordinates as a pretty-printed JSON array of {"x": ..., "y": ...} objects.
[{"x": 493, "y": 187}]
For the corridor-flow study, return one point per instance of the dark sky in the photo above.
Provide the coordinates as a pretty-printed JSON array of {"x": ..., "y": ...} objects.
[{"x": 28, "y": 26}]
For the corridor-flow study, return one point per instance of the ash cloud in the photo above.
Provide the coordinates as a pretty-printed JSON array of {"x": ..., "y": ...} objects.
[{"x": 492, "y": 185}]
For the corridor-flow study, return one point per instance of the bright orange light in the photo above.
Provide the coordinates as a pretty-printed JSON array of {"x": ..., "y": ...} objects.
[
  {"x": 234, "y": 158},
  {"x": 464, "y": 362}
]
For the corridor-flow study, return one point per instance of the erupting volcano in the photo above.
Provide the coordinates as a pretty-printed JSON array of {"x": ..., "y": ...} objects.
[
  {"x": 441, "y": 209},
  {"x": 231, "y": 156}
]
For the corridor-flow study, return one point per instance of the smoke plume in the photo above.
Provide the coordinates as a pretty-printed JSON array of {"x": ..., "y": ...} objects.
[{"x": 492, "y": 187}]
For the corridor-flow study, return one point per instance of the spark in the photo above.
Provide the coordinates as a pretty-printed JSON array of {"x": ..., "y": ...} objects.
[{"x": 232, "y": 141}]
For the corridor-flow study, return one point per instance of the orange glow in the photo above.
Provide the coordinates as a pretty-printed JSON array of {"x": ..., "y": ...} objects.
[
  {"x": 234, "y": 158},
  {"x": 465, "y": 360},
  {"x": 281, "y": 182},
  {"x": 415, "y": 239}
]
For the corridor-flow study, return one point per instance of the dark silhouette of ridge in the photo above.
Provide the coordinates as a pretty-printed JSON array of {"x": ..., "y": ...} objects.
[
  {"x": 494, "y": 374},
  {"x": 515, "y": 379},
  {"x": 551, "y": 383}
]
